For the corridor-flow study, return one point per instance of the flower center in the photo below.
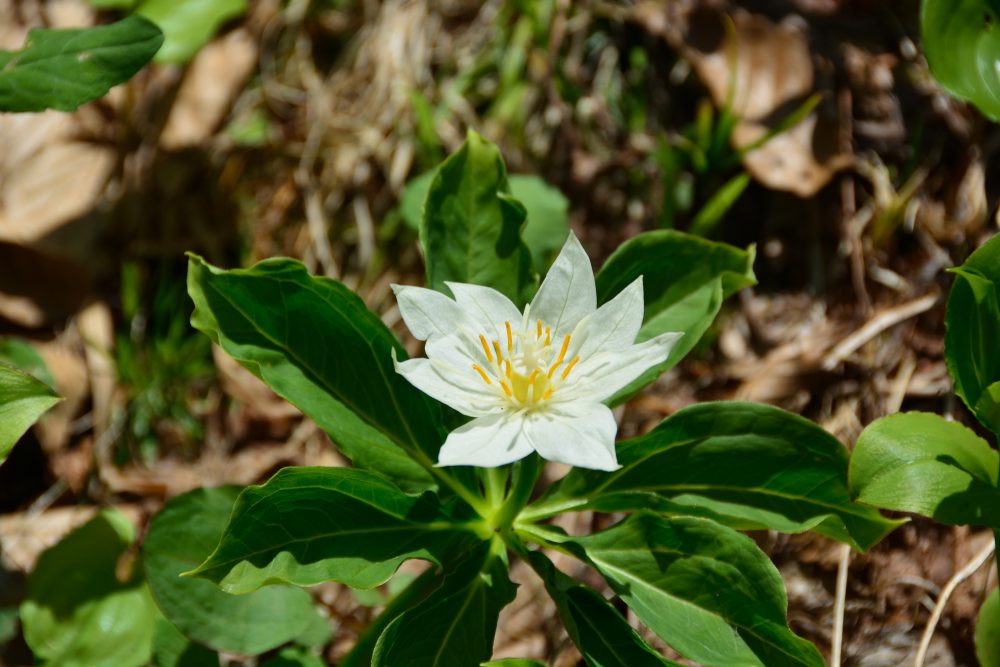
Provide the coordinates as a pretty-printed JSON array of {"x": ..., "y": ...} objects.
[{"x": 528, "y": 368}]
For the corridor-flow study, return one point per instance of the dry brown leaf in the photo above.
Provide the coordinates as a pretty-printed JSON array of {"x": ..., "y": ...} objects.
[
  {"x": 764, "y": 70},
  {"x": 210, "y": 85},
  {"x": 69, "y": 370}
]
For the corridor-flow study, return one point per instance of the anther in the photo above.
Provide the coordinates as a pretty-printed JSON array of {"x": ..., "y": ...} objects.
[
  {"x": 539, "y": 329},
  {"x": 510, "y": 338},
  {"x": 486, "y": 348},
  {"x": 496, "y": 348},
  {"x": 533, "y": 376},
  {"x": 547, "y": 394},
  {"x": 562, "y": 352},
  {"x": 482, "y": 373},
  {"x": 507, "y": 367},
  {"x": 570, "y": 367},
  {"x": 506, "y": 389}
]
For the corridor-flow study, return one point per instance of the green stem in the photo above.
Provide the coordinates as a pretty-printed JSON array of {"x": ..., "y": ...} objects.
[
  {"x": 361, "y": 654},
  {"x": 460, "y": 489},
  {"x": 547, "y": 510},
  {"x": 495, "y": 485},
  {"x": 526, "y": 472}
]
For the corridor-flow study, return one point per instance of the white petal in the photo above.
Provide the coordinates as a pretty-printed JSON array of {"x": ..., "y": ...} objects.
[
  {"x": 449, "y": 385},
  {"x": 426, "y": 311},
  {"x": 567, "y": 294},
  {"x": 614, "y": 325},
  {"x": 485, "y": 309},
  {"x": 602, "y": 375},
  {"x": 580, "y": 434},
  {"x": 487, "y": 442}
]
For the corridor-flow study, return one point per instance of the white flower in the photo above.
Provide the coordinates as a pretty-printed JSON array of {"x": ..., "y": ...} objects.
[{"x": 534, "y": 380}]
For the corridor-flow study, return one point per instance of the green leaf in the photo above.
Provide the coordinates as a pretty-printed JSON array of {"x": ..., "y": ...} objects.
[
  {"x": 172, "y": 649},
  {"x": 715, "y": 209},
  {"x": 512, "y": 662},
  {"x": 919, "y": 462},
  {"x": 604, "y": 637},
  {"x": 705, "y": 589},
  {"x": 973, "y": 329},
  {"x": 19, "y": 354},
  {"x": 746, "y": 465},
  {"x": 547, "y": 226},
  {"x": 962, "y": 45},
  {"x": 62, "y": 69},
  {"x": 988, "y": 631},
  {"x": 471, "y": 229},
  {"x": 336, "y": 524},
  {"x": 685, "y": 280},
  {"x": 23, "y": 399},
  {"x": 77, "y": 612},
  {"x": 313, "y": 341},
  {"x": 181, "y": 536},
  {"x": 295, "y": 656},
  {"x": 454, "y": 625},
  {"x": 188, "y": 24}
]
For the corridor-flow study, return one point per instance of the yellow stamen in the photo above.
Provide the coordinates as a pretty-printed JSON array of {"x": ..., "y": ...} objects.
[
  {"x": 486, "y": 348},
  {"x": 570, "y": 367},
  {"x": 533, "y": 376},
  {"x": 539, "y": 329},
  {"x": 507, "y": 367},
  {"x": 510, "y": 338},
  {"x": 506, "y": 389},
  {"x": 547, "y": 394},
  {"x": 482, "y": 373},
  {"x": 496, "y": 348},
  {"x": 552, "y": 369},
  {"x": 562, "y": 352},
  {"x": 548, "y": 336}
]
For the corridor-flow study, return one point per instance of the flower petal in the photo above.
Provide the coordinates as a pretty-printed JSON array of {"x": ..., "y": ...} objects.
[
  {"x": 567, "y": 294},
  {"x": 427, "y": 312},
  {"x": 464, "y": 392},
  {"x": 485, "y": 309},
  {"x": 601, "y": 376},
  {"x": 580, "y": 434},
  {"x": 487, "y": 442},
  {"x": 614, "y": 325}
]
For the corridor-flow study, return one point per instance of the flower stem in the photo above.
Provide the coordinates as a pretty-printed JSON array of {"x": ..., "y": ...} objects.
[
  {"x": 526, "y": 472},
  {"x": 495, "y": 486}
]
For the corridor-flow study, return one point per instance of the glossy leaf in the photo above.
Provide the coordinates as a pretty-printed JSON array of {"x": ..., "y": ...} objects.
[
  {"x": 547, "y": 226},
  {"x": 705, "y": 589},
  {"x": 310, "y": 525},
  {"x": 22, "y": 355},
  {"x": 988, "y": 631},
  {"x": 471, "y": 229},
  {"x": 77, "y": 612},
  {"x": 513, "y": 662},
  {"x": 62, "y": 69},
  {"x": 295, "y": 656},
  {"x": 188, "y": 24},
  {"x": 604, "y": 637},
  {"x": 23, "y": 399},
  {"x": 685, "y": 280},
  {"x": 973, "y": 329},
  {"x": 315, "y": 343},
  {"x": 746, "y": 465},
  {"x": 180, "y": 537},
  {"x": 961, "y": 40},
  {"x": 172, "y": 649},
  {"x": 919, "y": 462},
  {"x": 454, "y": 625}
]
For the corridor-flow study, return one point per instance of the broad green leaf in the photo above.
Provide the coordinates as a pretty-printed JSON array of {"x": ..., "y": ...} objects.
[
  {"x": 705, "y": 589},
  {"x": 180, "y": 537},
  {"x": 77, "y": 612},
  {"x": 962, "y": 45},
  {"x": 604, "y": 637},
  {"x": 188, "y": 25},
  {"x": 746, "y": 465},
  {"x": 295, "y": 656},
  {"x": 315, "y": 343},
  {"x": 23, "y": 399},
  {"x": 919, "y": 462},
  {"x": 454, "y": 625},
  {"x": 685, "y": 279},
  {"x": 19, "y": 354},
  {"x": 547, "y": 227},
  {"x": 512, "y": 662},
  {"x": 336, "y": 524},
  {"x": 988, "y": 631},
  {"x": 172, "y": 649},
  {"x": 62, "y": 69},
  {"x": 973, "y": 329},
  {"x": 471, "y": 228}
]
